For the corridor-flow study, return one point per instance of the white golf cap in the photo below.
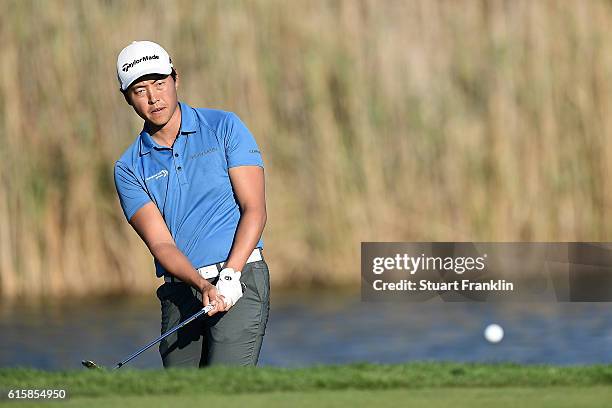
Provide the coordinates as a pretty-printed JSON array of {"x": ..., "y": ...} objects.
[{"x": 141, "y": 58}]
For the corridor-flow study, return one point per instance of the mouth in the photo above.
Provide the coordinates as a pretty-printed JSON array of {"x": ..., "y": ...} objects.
[{"x": 157, "y": 110}]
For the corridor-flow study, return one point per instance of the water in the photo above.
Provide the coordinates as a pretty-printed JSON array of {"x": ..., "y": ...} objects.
[{"x": 319, "y": 328}]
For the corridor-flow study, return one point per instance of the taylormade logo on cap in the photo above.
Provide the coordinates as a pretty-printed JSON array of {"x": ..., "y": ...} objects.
[
  {"x": 141, "y": 58},
  {"x": 126, "y": 67}
]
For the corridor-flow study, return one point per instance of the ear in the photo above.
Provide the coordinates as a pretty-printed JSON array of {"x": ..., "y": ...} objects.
[
  {"x": 127, "y": 98},
  {"x": 176, "y": 81}
]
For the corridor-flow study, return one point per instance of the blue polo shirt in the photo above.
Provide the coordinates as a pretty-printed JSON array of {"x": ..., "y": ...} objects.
[{"x": 189, "y": 182}]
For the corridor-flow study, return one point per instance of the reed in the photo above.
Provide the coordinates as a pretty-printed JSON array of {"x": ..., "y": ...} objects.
[{"x": 379, "y": 121}]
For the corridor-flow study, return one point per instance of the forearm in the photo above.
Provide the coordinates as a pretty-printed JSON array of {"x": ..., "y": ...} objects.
[
  {"x": 248, "y": 233},
  {"x": 177, "y": 264}
]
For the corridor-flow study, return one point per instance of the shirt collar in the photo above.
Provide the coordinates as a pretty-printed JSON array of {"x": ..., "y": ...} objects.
[
  {"x": 188, "y": 125},
  {"x": 188, "y": 119}
]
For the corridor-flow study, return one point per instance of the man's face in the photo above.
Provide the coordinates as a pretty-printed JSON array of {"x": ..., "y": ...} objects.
[{"x": 154, "y": 98}]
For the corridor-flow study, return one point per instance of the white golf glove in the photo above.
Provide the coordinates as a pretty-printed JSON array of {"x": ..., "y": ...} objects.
[{"x": 229, "y": 286}]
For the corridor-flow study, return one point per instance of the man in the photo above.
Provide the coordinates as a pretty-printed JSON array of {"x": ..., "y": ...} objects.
[{"x": 192, "y": 186}]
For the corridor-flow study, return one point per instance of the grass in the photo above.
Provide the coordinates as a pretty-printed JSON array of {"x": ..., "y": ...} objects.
[
  {"x": 415, "y": 384},
  {"x": 267, "y": 379},
  {"x": 547, "y": 397}
]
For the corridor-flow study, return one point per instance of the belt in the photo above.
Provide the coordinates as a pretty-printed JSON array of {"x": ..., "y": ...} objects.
[{"x": 212, "y": 271}]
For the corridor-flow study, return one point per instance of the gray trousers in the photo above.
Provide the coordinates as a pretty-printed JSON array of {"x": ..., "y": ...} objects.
[{"x": 230, "y": 338}]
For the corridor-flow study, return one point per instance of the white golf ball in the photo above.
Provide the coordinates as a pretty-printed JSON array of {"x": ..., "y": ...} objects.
[{"x": 494, "y": 333}]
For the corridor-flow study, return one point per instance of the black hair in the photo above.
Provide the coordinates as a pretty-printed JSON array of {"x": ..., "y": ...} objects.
[{"x": 172, "y": 74}]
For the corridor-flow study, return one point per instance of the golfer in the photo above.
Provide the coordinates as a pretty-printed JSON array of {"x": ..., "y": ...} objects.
[{"x": 192, "y": 186}]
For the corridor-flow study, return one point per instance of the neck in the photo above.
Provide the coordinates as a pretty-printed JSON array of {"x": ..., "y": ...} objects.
[{"x": 165, "y": 135}]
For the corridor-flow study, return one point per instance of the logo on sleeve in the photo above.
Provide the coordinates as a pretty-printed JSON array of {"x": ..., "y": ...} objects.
[{"x": 157, "y": 176}]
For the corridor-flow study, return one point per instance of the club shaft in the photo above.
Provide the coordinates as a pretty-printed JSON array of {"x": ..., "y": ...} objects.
[{"x": 166, "y": 334}]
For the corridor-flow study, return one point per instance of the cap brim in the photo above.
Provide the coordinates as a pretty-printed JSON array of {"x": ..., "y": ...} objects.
[{"x": 147, "y": 71}]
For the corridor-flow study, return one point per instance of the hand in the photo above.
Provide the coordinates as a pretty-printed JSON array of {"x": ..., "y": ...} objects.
[
  {"x": 229, "y": 287},
  {"x": 210, "y": 295}
]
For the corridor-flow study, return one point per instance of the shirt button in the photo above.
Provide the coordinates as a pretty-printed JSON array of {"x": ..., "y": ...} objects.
[
  {"x": 179, "y": 168},
  {"x": 175, "y": 154}
]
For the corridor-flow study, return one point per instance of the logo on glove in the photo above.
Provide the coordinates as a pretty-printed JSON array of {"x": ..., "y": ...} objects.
[{"x": 229, "y": 286}]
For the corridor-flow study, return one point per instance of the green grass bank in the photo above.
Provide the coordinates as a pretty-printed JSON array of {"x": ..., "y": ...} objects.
[
  {"x": 125, "y": 382},
  {"x": 508, "y": 397},
  {"x": 412, "y": 385}
]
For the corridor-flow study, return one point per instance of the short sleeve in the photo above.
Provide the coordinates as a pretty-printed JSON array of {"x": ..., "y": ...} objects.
[
  {"x": 132, "y": 195},
  {"x": 240, "y": 146}
]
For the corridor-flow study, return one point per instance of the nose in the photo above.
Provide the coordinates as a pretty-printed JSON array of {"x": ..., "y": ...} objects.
[{"x": 152, "y": 97}]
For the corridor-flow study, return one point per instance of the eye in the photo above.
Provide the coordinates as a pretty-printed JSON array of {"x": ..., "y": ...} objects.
[{"x": 139, "y": 91}]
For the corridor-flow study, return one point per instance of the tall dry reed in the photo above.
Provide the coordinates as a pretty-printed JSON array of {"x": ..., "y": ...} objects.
[{"x": 379, "y": 120}]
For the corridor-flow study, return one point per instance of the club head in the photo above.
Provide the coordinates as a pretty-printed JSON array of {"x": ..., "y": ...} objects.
[{"x": 90, "y": 364}]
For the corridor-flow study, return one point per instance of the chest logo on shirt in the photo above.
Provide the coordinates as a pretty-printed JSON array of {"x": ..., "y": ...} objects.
[
  {"x": 157, "y": 176},
  {"x": 202, "y": 153}
]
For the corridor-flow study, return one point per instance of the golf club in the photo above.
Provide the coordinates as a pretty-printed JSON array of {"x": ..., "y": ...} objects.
[{"x": 91, "y": 365}]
